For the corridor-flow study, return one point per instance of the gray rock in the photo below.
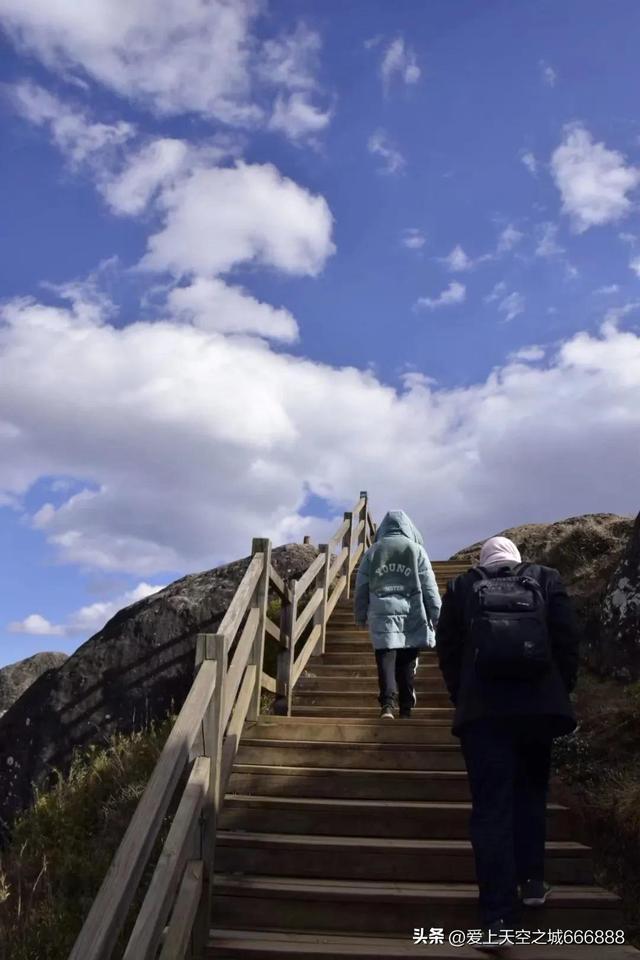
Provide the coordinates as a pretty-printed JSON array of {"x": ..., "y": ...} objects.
[
  {"x": 135, "y": 670},
  {"x": 16, "y": 677},
  {"x": 617, "y": 649}
]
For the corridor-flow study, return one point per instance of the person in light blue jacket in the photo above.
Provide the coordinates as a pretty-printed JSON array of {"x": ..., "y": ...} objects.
[{"x": 397, "y": 595}]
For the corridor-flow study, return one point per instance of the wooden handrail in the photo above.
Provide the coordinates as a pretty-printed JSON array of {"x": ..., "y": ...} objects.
[
  {"x": 110, "y": 907},
  {"x": 310, "y": 574},
  {"x": 225, "y": 694},
  {"x": 241, "y": 598}
]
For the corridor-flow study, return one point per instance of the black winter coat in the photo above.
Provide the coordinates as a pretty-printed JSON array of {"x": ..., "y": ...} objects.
[{"x": 474, "y": 698}]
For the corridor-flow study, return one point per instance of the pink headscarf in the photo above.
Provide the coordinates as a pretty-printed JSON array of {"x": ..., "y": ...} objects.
[{"x": 499, "y": 550}]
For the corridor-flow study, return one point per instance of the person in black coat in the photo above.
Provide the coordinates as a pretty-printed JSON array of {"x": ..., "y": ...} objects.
[{"x": 506, "y": 728}]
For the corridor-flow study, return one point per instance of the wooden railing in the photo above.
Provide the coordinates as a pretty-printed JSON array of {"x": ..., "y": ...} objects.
[{"x": 173, "y": 921}]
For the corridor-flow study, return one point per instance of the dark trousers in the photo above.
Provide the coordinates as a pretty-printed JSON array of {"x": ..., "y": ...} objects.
[
  {"x": 508, "y": 763},
  {"x": 396, "y": 674}
]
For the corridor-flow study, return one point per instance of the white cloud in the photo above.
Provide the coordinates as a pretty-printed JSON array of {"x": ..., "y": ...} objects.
[
  {"x": 295, "y": 116},
  {"x": 498, "y": 291},
  {"x": 194, "y": 443},
  {"x": 593, "y": 180},
  {"x": 71, "y": 129},
  {"x": 607, "y": 290},
  {"x": 512, "y": 306},
  {"x": 37, "y": 626},
  {"x": 215, "y": 306},
  {"x": 413, "y": 238},
  {"x": 399, "y": 60},
  {"x": 530, "y": 162},
  {"x": 85, "y": 621},
  {"x": 531, "y": 354},
  {"x": 547, "y": 245},
  {"x": 455, "y": 293},
  {"x": 615, "y": 314},
  {"x": 219, "y": 217},
  {"x": 380, "y": 146},
  {"x": 509, "y": 238},
  {"x": 185, "y": 56},
  {"x": 548, "y": 75},
  {"x": 457, "y": 261},
  {"x": 634, "y": 264}
]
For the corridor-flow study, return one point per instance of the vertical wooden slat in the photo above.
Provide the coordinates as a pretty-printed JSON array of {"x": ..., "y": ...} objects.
[
  {"x": 178, "y": 938},
  {"x": 346, "y": 542},
  {"x": 363, "y": 516},
  {"x": 291, "y": 646},
  {"x": 216, "y": 647},
  {"x": 261, "y": 600},
  {"x": 322, "y": 581}
]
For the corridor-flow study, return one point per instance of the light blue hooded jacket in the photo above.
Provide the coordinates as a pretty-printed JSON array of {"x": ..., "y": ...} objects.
[{"x": 396, "y": 591}]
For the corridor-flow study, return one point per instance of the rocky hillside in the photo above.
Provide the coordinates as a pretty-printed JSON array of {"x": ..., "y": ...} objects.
[
  {"x": 136, "y": 669},
  {"x": 588, "y": 551},
  {"x": 617, "y": 651},
  {"x": 16, "y": 677}
]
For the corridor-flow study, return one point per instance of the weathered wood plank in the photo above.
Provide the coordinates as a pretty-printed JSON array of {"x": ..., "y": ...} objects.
[
  {"x": 272, "y": 630},
  {"x": 268, "y": 683},
  {"x": 181, "y": 923},
  {"x": 232, "y": 740},
  {"x": 261, "y": 602},
  {"x": 337, "y": 564},
  {"x": 304, "y": 618},
  {"x": 306, "y": 652},
  {"x": 340, "y": 532},
  {"x": 111, "y": 905},
  {"x": 359, "y": 529},
  {"x": 335, "y": 596},
  {"x": 362, "y": 502},
  {"x": 310, "y": 574},
  {"x": 357, "y": 555},
  {"x": 322, "y": 581},
  {"x": 239, "y": 662},
  {"x": 278, "y": 583},
  {"x": 146, "y": 935},
  {"x": 242, "y": 598}
]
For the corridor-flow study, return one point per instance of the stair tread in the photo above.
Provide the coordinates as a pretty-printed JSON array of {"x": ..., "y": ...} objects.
[
  {"x": 408, "y": 891},
  {"x": 376, "y": 843},
  {"x": 349, "y": 771},
  {"x": 292, "y": 943},
  {"x": 418, "y": 745},
  {"x": 359, "y": 805}
]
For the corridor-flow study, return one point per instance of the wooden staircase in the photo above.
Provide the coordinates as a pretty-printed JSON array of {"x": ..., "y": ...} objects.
[{"x": 341, "y": 834}]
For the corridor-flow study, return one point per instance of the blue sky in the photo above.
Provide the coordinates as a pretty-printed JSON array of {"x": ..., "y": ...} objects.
[{"x": 258, "y": 256}]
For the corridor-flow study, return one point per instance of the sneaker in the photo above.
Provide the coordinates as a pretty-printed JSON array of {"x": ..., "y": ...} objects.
[
  {"x": 405, "y": 715},
  {"x": 387, "y": 713},
  {"x": 533, "y": 893},
  {"x": 495, "y": 938}
]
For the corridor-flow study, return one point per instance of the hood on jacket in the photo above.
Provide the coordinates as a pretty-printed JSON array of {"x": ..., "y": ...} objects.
[
  {"x": 396, "y": 523},
  {"x": 499, "y": 550}
]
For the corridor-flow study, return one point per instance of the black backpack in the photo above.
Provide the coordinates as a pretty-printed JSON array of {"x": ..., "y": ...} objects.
[{"x": 509, "y": 633}]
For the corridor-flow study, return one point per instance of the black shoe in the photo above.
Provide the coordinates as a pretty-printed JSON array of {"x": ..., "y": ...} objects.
[
  {"x": 533, "y": 893},
  {"x": 405, "y": 714},
  {"x": 387, "y": 713},
  {"x": 495, "y": 938}
]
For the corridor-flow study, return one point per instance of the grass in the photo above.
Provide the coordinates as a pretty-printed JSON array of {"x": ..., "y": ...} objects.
[
  {"x": 62, "y": 846},
  {"x": 600, "y": 767}
]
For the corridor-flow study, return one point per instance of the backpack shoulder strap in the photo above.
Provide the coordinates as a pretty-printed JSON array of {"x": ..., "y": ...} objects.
[{"x": 481, "y": 573}]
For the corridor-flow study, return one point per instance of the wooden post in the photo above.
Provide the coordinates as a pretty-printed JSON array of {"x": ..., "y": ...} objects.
[
  {"x": 261, "y": 601},
  {"x": 363, "y": 536},
  {"x": 322, "y": 581},
  {"x": 291, "y": 646},
  {"x": 346, "y": 542},
  {"x": 210, "y": 647},
  {"x": 282, "y": 666},
  {"x": 306, "y": 539}
]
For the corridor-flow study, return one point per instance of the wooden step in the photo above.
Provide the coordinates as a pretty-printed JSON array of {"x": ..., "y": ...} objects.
[
  {"x": 228, "y": 944},
  {"x": 370, "y": 756},
  {"x": 344, "y": 711},
  {"x": 364, "y": 818},
  {"x": 376, "y": 907},
  {"x": 423, "y": 684},
  {"x": 317, "y": 668},
  {"x": 341, "y": 782},
  {"x": 342, "y": 698},
  {"x": 390, "y": 859},
  {"x": 352, "y": 730}
]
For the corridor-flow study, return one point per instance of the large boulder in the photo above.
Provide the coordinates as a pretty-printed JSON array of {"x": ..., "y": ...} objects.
[
  {"x": 135, "y": 670},
  {"x": 16, "y": 677},
  {"x": 586, "y": 550},
  {"x": 617, "y": 649}
]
